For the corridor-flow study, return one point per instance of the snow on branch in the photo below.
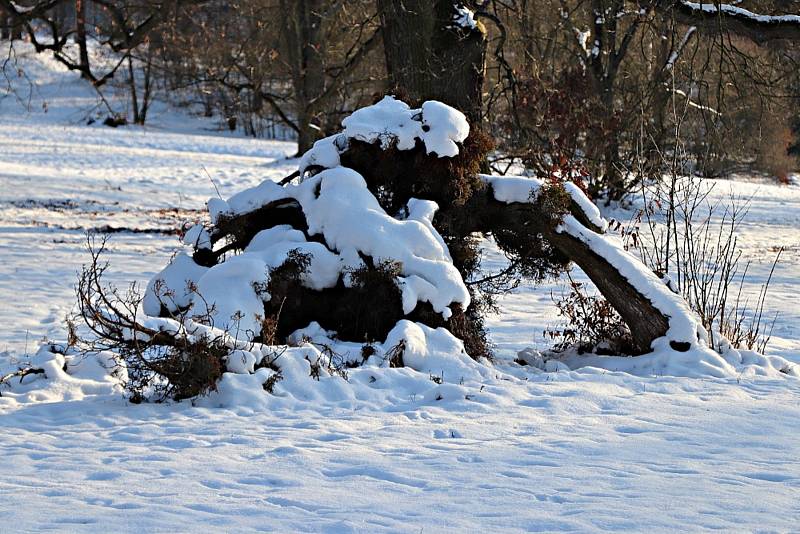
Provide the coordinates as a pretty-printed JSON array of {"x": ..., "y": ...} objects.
[
  {"x": 679, "y": 50},
  {"x": 757, "y": 27}
]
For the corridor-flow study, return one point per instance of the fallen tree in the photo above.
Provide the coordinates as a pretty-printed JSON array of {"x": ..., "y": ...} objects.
[
  {"x": 423, "y": 166},
  {"x": 375, "y": 240}
]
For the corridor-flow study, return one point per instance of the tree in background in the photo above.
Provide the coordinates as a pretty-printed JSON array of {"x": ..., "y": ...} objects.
[
  {"x": 604, "y": 86},
  {"x": 603, "y": 89},
  {"x": 435, "y": 50}
]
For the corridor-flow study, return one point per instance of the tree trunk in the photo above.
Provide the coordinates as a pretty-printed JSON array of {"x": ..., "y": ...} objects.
[
  {"x": 9, "y": 28},
  {"x": 644, "y": 320},
  {"x": 429, "y": 56},
  {"x": 303, "y": 40},
  {"x": 307, "y": 134},
  {"x": 80, "y": 37}
]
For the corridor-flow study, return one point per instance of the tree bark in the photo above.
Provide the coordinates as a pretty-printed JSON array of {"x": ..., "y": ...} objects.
[
  {"x": 303, "y": 40},
  {"x": 10, "y": 29},
  {"x": 645, "y": 322},
  {"x": 430, "y": 57},
  {"x": 80, "y": 37}
]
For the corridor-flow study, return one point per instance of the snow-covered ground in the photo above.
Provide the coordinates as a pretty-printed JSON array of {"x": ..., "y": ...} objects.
[{"x": 578, "y": 450}]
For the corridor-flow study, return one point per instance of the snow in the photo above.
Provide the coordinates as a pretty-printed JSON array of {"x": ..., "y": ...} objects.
[
  {"x": 510, "y": 189},
  {"x": 442, "y": 127},
  {"x": 274, "y": 245},
  {"x": 172, "y": 287},
  {"x": 464, "y": 18},
  {"x": 197, "y": 236},
  {"x": 227, "y": 294},
  {"x": 324, "y": 153},
  {"x": 614, "y": 446},
  {"x": 709, "y": 7},
  {"x": 241, "y": 362},
  {"x": 434, "y": 352},
  {"x": 390, "y": 121},
  {"x": 248, "y": 200},
  {"x": 393, "y": 123},
  {"x": 583, "y": 452},
  {"x": 586, "y": 206},
  {"x": 673, "y": 57},
  {"x": 351, "y": 221}
]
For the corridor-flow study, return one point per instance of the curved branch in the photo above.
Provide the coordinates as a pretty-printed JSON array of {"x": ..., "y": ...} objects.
[{"x": 717, "y": 17}]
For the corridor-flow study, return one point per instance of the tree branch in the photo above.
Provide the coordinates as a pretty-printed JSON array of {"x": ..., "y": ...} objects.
[{"x": 718, "y": 17}]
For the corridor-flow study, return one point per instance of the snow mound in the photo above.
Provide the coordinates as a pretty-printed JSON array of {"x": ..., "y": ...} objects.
[
  {"x": 352, "y": 222},
  {"x": 172, "y": 287},
  {"x": 316, "y": 368},
  {"x": 64, "y": 375},
  {"x": 699, "y": 362}
]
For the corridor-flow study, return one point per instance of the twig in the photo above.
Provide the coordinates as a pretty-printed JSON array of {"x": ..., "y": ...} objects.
[
  {"x": 211, "y": 180},
  {"x": 22, "y": 372}
]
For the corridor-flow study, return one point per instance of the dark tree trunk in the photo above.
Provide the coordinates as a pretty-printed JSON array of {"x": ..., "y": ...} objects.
[
  {"x": 645, "y": 322},
  {"x": 430, "y": 57},
  {"x": 9, "y": 28},
  {"x": 80, "y": 37},
  {"x": 307, "y": 134},
  {"x": 304, "y": 44},
  {"x": 614, "y": 177}
]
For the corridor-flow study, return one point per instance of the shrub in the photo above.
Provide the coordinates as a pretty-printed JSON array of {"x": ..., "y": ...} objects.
[
  {"x": 592, "y": 324},
  {"x": 160, "y": 364}
]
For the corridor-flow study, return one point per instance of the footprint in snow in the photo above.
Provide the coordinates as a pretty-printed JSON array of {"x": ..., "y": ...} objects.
[
  {"x": 332, "y": 437},
  {"x": 103, "y": 475},
  {"x": 768, "y": 477}
]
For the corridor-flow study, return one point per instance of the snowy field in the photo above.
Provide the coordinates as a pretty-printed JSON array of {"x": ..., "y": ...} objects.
[{"x": 582, "y": 450}]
